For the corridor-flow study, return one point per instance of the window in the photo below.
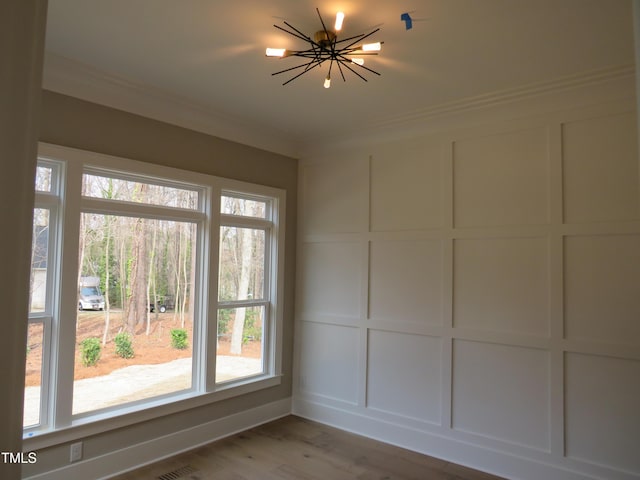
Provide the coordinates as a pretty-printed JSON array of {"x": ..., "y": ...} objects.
[
  {"x": 41, "y": 289},
  {"x": 130, "y": 309},
  {"x": 243, "y": 286}
]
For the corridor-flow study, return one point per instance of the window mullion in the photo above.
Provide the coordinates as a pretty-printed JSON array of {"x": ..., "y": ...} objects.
[
  {"x": 213, "y": 277},
  {"x": 242, "y": 303},
  {"x": 64, "y": 329},
  {"x": 244, "y": 222},
  {"x": 130, "y": 209}
]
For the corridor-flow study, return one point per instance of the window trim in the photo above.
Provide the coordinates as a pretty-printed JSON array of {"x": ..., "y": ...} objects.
[{"x": 73, "y": 163}]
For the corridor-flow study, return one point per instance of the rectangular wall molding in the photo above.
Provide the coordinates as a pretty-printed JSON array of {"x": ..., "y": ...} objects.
[{"x": 464, "y": 283}]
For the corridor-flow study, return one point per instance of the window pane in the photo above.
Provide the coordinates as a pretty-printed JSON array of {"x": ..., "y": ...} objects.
[
  {"x": 43, "y": 179},
  {"x": 138, "y": 192},
  {"x": 243, "y": 207},
  {"x": 140, "y": 346},
  {"x": 39, "y": 260},
  {"x": 241, "y": 264},
  {"x": 33, "y": 375},
  {"x": 240, "y": 343}
]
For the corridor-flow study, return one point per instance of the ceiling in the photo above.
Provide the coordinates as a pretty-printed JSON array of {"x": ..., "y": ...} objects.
[{"x": 210, "y": 55}]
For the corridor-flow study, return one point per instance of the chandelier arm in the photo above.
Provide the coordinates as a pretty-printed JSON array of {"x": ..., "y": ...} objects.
[
  {"x": 317, "y": 51},
  {"x": 299, "y": 32},
  {"x": 305, "y": 54},
  {"x": 299, "y": 35},
  {"x": 354, "y": 51},
  {"x": 346, "y": 65},
  {"x": 302, "y": 73},
  {"x": 322, "y": 22},
  {"x": 345, "y": 59},
  {"x": 308, "y": 65},
  {"x": 349, "y": 38},
  {"x": 332, "y": 43},
  {"x": 338, "y": 62},
  {"x": 296, "y": 67},
  {"x": 363, "y": 37}
]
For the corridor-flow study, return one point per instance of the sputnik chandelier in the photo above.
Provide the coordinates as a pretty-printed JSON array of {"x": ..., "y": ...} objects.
[{"x": 325, "y": 46}]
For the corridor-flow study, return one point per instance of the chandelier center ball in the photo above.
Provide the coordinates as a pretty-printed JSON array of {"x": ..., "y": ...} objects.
[{"x": 324, "y": 38}]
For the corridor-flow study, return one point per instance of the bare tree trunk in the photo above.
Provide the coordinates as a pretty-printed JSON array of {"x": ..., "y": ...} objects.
[
  {"x": 185, "y": 246},
  {"x": 134, "y": 279},
  {"x": 123, "y": 277},
  {"x": 107, "y": 308},
  {"x": 138, "y": 306},
  {"x": 151, "y": 262},
  {"x": 178, "y": 276},
  {"x": 243, "y": 288},
  {"x": 83, "y": 240},
  {"x": 192, "y": 279}
]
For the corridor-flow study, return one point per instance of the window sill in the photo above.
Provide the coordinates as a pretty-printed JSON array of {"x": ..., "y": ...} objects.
[{"x": 104, "y": 421}]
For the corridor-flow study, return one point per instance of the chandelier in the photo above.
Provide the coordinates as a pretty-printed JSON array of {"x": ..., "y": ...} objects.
[{"x": 345, "y": 54}]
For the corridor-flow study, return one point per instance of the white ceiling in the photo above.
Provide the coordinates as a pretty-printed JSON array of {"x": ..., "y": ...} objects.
[{"x": 210, "y": 54}]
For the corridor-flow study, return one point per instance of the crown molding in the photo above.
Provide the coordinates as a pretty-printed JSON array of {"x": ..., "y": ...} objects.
[
  {"x": 515, "y": 94},
  {"x": 70, "y": 77},
  {"x": 79, "y": 80},
  {"x": 565, "y": 93}
]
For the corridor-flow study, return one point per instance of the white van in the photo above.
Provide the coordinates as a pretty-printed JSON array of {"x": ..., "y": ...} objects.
[{"x": 89, "y": 295}]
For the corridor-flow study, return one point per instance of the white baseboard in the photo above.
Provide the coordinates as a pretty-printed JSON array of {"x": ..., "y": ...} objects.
[
  {"x": 486, "y": 459},
  {"x": 126, "y": 459}
]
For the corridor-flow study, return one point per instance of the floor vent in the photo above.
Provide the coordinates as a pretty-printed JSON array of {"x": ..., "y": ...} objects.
[{"x": 178, "y": 473}]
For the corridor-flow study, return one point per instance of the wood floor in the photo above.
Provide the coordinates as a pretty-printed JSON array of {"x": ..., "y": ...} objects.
[{"x": 293, "y": 448}]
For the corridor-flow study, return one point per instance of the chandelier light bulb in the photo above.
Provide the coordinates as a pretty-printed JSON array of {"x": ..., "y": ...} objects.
[
  {"x": 359, "y": 61},
  {"x": 371, "y": 47},
  {"x": 276, "y": 52},
  {"x": 327, "y": 82},
  {"x": 339, "y": 20}
]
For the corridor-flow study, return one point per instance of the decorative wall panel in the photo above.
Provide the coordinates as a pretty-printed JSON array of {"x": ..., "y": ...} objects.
[
  {"x": 502, "y": 284},
  {"x": 603, "y": 395},
  {"x": 602, "y": 288},
  {"x": 600, "y": 169},
  {"x": 410, "y": 364},
  {"x": 335, "y": 196},
  {"x": 502, "y": 392},
  {"x": 330, "y": 364},
  {"x": 406, "y": 189},
  {"x": 502, "y": 179},
  {"x": 332, "y": 278},
  {"x": 490, "y": 312},
  {"x": 406, "y": 281}
]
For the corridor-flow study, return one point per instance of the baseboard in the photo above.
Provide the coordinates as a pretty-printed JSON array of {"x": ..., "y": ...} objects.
[
  {"x": 163, "y": 447},
  {"x": 486, "y": 459}
]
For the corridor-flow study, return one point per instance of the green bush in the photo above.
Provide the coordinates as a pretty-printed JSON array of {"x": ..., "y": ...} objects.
[
  {"x": 90, "y": 349},
  {"x": 124, "y": 348},
  {"x": 179, "y": 338},
  {"x": 224, "y": 317},
  {"x": 252, "y": 332}
]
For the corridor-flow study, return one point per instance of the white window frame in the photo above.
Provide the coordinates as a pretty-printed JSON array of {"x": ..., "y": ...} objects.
[
  {"x": 50, "y": 201},
  {"x": 266, "y": 225},
  {"x": 58, "y": 424}
]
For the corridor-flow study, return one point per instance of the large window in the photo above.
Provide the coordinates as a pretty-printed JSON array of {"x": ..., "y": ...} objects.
[{"x": 130, "y": 306}]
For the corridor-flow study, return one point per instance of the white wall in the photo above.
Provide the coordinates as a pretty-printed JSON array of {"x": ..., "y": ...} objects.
[{"x": 474, "y": 293}]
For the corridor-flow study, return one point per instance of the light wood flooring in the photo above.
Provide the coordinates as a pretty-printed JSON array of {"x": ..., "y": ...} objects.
[{"x": 293, "y": 448}]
